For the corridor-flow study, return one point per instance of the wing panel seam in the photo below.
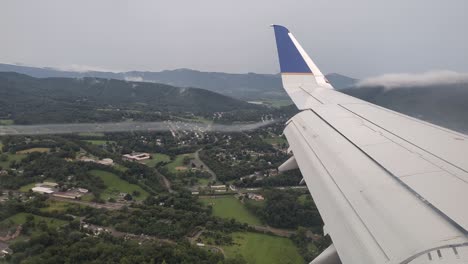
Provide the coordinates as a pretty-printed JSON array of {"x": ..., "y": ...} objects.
[
  {"x": 422, "y": 199},
  {"x": 342, "y": 193}
]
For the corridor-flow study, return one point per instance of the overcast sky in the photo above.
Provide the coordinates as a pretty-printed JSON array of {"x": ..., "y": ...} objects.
[{"x": 358, "y": 38}]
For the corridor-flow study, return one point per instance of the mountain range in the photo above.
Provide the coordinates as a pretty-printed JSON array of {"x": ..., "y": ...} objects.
[
  {"x": 249, "y": 86},
  {"x": 443, "y": 105}
]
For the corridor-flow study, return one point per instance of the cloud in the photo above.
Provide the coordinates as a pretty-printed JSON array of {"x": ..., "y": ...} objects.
[
  {"x": 49, "y": 129},
  {"x": 398, "y": 80},
  {"x": 134, "y": 79},
  {"x": 83, "y": 68}
]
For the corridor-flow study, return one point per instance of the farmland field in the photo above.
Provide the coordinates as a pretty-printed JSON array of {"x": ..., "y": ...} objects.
[
  {"x": 230, "y": 207},
  {"x": 263, "y": 249},
  {"x": 116, "y": 185}
]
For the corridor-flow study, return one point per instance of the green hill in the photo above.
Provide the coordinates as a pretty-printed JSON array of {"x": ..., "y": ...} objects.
[{"x": 27, "y": 100}]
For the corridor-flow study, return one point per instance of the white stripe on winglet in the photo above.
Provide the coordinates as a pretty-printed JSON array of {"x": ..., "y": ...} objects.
[{"x": 308, "y": 60}]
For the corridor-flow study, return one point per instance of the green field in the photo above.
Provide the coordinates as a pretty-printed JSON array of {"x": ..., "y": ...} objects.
[
  {"x": 115, "y": 185},
  {"x": 275, "y": 140},
  {"x": 6, "y": 122},
  {"x": 204, "y": 181},
  {"x": 10, "y": 158},
  {"x": 157, "y": 157},
  {"x": 230, "y": 207},
  {"x": 58, "y": 206},
  {"x": 98, "y": 142},
  {"x": 263, "y": 249},
  {"x": 178, "y": 163},
  {"x": 27, "y": 187},
  {"x": 120, "y": 167},
  {"x": 20, "y": 218}
]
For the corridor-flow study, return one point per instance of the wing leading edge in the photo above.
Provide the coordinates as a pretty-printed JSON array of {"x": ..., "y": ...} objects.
[{"x": 390, "y": 188}]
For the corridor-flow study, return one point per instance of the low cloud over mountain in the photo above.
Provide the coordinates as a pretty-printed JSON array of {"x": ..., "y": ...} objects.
[{"x": 401, "y": 80}]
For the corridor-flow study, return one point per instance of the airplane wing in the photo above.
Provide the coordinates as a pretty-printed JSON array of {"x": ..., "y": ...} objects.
[{"x": 390, "y": 188}]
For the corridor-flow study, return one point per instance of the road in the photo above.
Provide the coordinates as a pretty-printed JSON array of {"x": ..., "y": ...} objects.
[{"x": 207, "y": 169}]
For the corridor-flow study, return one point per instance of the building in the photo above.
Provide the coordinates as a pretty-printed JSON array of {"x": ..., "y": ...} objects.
[
  {"x": 136, "y": 156},
  {"x": 43, "y": 190},
  {"x": 256, "y": 197},
  {"x": 67, "y": 195}
]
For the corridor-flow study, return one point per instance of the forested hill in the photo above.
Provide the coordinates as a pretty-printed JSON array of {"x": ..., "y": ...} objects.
[
  {"x": 248, "y": 86},
  {"x": 25, "y": 100}
]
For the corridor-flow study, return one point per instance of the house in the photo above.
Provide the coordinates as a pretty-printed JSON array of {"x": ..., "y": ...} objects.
[{"x": 136, "y": 156}]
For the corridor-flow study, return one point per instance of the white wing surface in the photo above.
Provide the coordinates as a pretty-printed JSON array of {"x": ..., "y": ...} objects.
[{"x": 390, "y": 188}]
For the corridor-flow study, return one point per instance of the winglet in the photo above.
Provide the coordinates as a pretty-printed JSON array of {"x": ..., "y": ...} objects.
[
  {"x": 293, "y": 59},
  {"x": 290, "y": 59}
]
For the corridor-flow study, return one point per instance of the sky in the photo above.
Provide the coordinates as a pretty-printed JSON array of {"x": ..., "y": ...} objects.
[{"x": 358, "y": 38}]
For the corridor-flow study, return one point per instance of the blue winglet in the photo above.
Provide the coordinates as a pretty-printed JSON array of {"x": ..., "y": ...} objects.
[{"x": 290, "y": 58}]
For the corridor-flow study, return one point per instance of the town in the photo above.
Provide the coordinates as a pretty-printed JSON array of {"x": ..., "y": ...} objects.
[{"x": 230, "y": 176}]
